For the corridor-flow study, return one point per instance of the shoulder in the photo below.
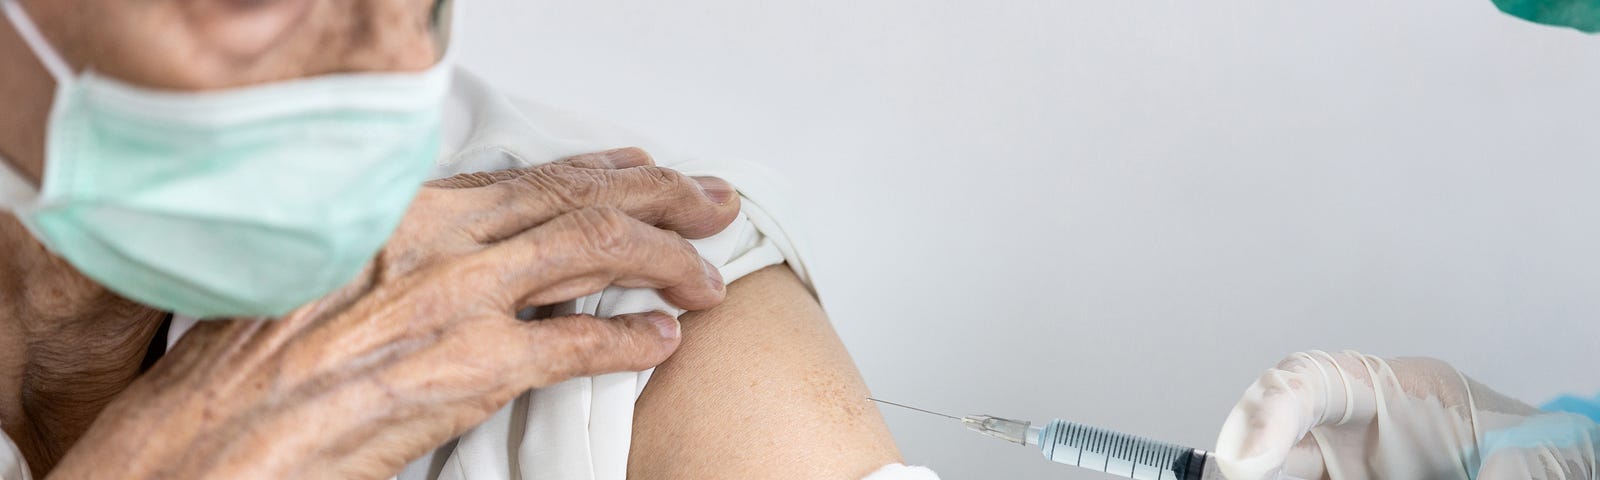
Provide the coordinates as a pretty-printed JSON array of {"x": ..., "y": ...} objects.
[
  {"x": 479, "y": 116},
  {"x": 486, "y": 129}
]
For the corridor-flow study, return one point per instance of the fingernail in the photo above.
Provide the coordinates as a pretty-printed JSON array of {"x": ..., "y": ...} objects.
[
  {"x": 716, "y": 189},
  {"x": 713, "y": 274},
  {"x": 666, "y": 324},
  {"x": 626, "y": 157}
]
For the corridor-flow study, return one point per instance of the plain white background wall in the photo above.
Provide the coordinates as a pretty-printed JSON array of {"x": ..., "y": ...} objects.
[{"x": 1122, "y": 212}]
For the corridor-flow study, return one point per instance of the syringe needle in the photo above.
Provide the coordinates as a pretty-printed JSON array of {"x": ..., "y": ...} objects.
[{"x": 908, "y": 407}]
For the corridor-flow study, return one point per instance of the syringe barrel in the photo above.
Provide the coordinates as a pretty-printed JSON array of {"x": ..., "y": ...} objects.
[{"x": 1119, "y": 453}]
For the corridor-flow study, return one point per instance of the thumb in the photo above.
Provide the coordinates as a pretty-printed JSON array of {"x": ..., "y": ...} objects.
[
  {"x": 582, "y": 345},
  {"x": 1270, "y": 427}
]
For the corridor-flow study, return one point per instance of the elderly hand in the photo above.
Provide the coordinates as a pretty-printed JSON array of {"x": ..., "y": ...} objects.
[
  {"x": 426, "y": 345},
  {"x": 1354, "y": 416}
]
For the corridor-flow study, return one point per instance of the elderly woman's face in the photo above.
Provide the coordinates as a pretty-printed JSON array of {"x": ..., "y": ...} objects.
[{"x": 207, "y": 44}]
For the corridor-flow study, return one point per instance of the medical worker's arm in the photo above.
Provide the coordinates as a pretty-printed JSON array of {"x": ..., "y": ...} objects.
[
  {"x": 1354, "y": 416},
  {"x": 761, "y": 387},
  {"x": 361, "y": 382}
]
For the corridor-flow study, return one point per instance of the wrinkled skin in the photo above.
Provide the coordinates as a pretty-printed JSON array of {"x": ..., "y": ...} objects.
[
  {"x": 419, "y": 348},
  {"x": 67, "y": 346}
]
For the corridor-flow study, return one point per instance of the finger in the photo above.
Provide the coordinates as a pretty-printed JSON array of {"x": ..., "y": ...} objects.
[
  {"x": 1277, "y": 413},
  {"x": 587, "y": 250},
  {"x": 582, "y": 345},
  {"x": 1305, "y": 460},
  {"x": 627, "y": 157},
  {"x": 610, "y": 159},
  {"x": 692, "y": 207},
  {"x": 474, "y": 179},
  {"x": 1266, "y": 424}
]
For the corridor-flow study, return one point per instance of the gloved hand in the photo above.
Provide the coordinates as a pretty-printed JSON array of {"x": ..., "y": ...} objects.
[{"x": 1354, "y": 416}]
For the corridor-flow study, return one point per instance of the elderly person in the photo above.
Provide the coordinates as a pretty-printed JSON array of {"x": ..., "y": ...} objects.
[{"x": 259, "y": 164}]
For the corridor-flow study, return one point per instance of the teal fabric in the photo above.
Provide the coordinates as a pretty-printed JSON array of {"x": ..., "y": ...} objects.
[
  {"x": 1588, "y": 407},
  {"x": 1582, "y": 15}
]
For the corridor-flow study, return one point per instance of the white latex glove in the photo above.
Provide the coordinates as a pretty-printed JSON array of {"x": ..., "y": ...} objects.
[{"x": 1354, "y": 416}]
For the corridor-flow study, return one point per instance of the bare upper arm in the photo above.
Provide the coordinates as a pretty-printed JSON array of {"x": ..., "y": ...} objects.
[{"x": 760, "y": 388}]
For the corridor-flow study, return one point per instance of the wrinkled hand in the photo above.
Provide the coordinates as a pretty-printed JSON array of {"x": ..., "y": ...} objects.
[
  {"x": 426, "y": 345},
  {"x": 1354, "y": 416},
  {"x": 467, "y": 213}
]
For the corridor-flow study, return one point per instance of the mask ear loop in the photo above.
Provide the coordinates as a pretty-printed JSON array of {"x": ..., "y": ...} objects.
[
  {"x": 42, "y": 50},
  {"x": 19, "y": 193},
  {"x": 16, "y": 192}
]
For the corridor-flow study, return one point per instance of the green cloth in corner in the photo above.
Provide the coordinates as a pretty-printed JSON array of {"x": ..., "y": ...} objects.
[{"x": 1583, "y": 15}]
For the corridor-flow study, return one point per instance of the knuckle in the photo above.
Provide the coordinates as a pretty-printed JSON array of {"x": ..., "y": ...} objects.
[
  {"x": 1291, "y": 362},
  {"x": 567, "y": 187},
  {"x": 686, "y": 253},
  {"x": 582, "y": 159},
  {"x": 580, "y": 346},
  {"x": 666, "y": 178},
  {"x": 663, "y": 196},
  {"x": 476, "y": 280},
  {"x": 481, "y": 229},
  {"x": 605, "y": 231}
]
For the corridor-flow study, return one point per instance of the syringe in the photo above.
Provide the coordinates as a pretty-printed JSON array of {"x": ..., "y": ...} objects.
[{"x": 1094, "y": 448}]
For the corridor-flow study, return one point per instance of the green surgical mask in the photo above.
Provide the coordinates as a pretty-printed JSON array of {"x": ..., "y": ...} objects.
[{"x": 242, "y": 202}]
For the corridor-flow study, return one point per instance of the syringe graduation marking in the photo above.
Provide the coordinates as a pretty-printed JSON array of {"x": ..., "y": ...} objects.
[{"x": 1169, "y": 459}]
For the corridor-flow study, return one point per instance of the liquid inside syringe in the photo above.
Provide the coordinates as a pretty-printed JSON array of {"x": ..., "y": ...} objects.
[{"x": 1093, "y": 448}]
